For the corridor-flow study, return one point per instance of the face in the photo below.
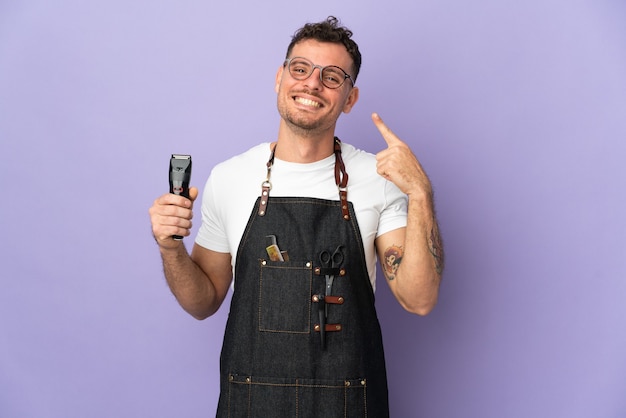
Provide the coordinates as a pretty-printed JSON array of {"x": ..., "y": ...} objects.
[{"x": 307, "y": 105}]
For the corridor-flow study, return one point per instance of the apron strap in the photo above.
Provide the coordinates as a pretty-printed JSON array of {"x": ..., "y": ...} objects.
[
  {"x": 266, "y": 186},
  {"x": 341, "y": 180}
]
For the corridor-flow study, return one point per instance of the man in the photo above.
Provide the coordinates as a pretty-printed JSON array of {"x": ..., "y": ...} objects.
[{"x": 301, "y": 221}]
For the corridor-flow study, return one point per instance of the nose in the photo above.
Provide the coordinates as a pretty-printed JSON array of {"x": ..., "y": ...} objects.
[{"x": 313, "y": 81}]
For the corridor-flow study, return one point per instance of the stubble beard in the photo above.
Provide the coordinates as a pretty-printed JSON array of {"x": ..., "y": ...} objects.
[
  {"x": 300, "y": 122},
  {"x": 302, "y": 125}
]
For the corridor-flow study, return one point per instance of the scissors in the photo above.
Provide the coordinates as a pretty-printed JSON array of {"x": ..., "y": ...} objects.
[{"x": 332, "y": 263}]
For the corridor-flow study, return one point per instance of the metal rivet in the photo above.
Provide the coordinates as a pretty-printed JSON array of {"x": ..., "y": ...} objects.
[
  {"x": 340, "y": 300},
  {"x": 347, "y": 383},
  {"x": 338, "y": 327},
  {"x": 317, "y": 327},
  {"x": 264, "y": 262},
  {"x": 308, "y": 264},
  {"x": 363, "y": 382},
  {"x": 262, "y": 213}
]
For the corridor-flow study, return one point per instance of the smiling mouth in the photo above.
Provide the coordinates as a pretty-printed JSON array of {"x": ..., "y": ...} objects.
[{"x": 307, "y": 102}]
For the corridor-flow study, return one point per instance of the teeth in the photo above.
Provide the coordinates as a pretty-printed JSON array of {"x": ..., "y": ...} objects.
[{"x": 307, "y": 102}]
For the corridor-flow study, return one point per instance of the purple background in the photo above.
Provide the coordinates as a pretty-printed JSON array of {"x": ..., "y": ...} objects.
[{"x": 516, "y": 109}]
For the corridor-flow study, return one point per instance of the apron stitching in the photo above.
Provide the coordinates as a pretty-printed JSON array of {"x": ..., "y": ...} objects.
[
  {"x": 229, "y": 390},
  {"x": 260, "y": 298},
  {"x": 357, "y": 236},
  {"x": 365, "y": 398},
  {"x": 261, "y": 328},
  {"x": 297, "y": 398},
  {"x": 345, "y": 401},
  {"x": 249, "y": 400}
]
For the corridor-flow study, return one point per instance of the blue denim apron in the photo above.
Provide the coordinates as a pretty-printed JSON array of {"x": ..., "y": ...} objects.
[{"x": 292, "y": 349}]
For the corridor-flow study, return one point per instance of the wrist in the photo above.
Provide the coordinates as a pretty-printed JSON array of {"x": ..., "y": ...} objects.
[
  {"x": 421, "y": 196},
  {"x": 170, "y": 246}
]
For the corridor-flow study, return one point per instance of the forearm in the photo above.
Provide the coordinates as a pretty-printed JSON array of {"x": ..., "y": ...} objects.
[
  {"x": 419, "y": 274},
  {"x": 189, "y": 284},
  {"x": 413, "y": 256}
]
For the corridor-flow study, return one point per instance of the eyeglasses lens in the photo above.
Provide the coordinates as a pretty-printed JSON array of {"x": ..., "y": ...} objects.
[{"x": 332, "y": 77}]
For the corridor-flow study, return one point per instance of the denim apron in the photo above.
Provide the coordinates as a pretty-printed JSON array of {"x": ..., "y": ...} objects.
[{"x": 292, "y": 347}]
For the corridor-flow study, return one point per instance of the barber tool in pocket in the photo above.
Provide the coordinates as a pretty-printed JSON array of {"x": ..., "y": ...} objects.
[{"x": 273, "y": 251}]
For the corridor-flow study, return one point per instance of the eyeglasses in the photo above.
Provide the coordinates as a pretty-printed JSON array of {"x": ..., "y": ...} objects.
[{"x": 331, "y": 76}]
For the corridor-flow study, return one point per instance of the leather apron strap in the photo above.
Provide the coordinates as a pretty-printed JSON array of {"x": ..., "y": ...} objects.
[{"x": 341, "y": 180}]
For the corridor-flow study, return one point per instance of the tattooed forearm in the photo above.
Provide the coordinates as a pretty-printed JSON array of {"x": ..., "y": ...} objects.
[
  {"x": 393, "y": 258},
  {"x": 435, "y": 246}
]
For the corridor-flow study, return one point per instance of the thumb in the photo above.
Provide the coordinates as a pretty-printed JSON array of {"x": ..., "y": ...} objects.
[
  {"x": 387, "y": 134},
  {"x": 193, "y": 193}
]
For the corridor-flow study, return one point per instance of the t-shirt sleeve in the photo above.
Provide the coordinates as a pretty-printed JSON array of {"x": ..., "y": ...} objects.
[
  {"x": 394, "y": 213},
  {"x": 212, "y": 232}
]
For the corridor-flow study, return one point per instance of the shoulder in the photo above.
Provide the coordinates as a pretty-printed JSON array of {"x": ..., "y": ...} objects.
[
  {"x": 366, "y": 186},
  {"x": 350, "y": 152},
  {"x": 361, "y": 165},
  {"x": 257, "y": 155},
  {"x": 243, "y": 173}
]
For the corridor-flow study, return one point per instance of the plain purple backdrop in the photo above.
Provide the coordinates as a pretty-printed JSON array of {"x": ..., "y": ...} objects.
[{"x": 516, "y": 109}]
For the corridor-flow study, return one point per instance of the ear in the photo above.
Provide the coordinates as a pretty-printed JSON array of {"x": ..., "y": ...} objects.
[
  {"x": 279, "y": 77},
  {"x": 353, "y": 97}
]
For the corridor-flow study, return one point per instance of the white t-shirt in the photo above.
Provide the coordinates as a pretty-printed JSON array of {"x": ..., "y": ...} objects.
[{"x": 234, "y": 185}]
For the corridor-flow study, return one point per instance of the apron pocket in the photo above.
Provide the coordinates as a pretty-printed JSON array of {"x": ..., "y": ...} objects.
[
  {"x": 332, "y": 398},
  {"x": 285, "y": 296},
  {"x": 251, "y": 396}
]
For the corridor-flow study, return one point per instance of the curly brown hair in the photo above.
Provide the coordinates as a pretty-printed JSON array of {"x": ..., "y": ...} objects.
[{"x": 329, "y": 30}]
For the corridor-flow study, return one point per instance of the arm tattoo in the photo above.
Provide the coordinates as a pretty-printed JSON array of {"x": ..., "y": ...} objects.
[
  {"x": 435, "y": 246},
  {"x": 393, "y": 258}
]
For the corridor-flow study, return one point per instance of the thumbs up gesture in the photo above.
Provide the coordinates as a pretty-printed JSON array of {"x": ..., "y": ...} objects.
[{"x": 398, "y": 164}]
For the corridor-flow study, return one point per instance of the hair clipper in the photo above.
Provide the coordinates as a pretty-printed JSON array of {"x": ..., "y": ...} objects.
[{"x": 180, "y": 175}]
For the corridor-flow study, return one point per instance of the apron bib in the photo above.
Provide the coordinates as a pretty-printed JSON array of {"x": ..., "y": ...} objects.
[{"x": 302, "y": 337}]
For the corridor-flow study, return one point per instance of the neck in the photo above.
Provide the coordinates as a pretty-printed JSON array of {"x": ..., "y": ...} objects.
[{"x": 299, "y": 147}]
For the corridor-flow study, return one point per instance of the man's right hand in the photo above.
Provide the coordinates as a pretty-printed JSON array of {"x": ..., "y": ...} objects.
[{"x": 171, "y": 215}]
